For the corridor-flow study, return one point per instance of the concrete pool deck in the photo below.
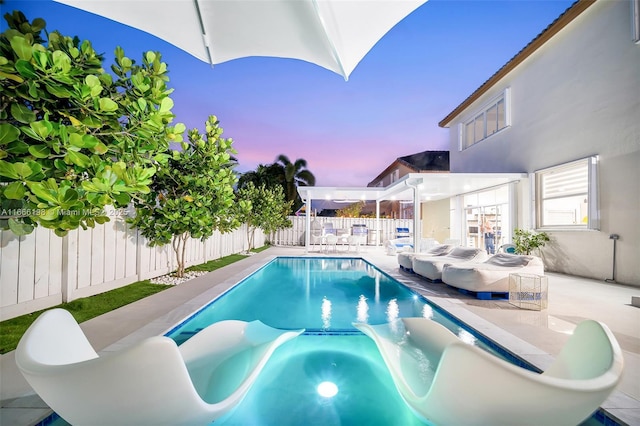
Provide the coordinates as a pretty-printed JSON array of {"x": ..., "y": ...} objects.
[{"x": 534, "y": 335}]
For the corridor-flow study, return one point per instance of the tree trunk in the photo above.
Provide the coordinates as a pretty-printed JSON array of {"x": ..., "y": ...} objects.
[
  {"x": 179, "y": 245},
  {"x": 251, "y": 233}
]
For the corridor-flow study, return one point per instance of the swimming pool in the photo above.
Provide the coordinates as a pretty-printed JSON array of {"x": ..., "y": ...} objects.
[{"x": 324, "y": 296}]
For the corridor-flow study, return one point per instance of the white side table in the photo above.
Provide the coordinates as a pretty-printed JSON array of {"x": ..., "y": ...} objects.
[{"x": 528, "y": 291}]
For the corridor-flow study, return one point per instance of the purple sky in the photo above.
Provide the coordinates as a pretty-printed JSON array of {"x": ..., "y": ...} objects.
[{"x": 347, "y": 131}]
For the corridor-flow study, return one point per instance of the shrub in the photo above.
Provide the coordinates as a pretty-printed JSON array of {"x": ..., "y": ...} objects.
[{"x": 527, "y": 241}]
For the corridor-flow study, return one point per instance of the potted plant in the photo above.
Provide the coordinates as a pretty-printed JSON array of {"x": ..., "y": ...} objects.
[{"x": 528, "y": 240}]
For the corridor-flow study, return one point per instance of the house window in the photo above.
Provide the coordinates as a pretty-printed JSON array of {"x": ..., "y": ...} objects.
[
  {"x": 490, "y": 120},
  {"x": 567, "y": 196},
  {"x": 395, "y": 175}
]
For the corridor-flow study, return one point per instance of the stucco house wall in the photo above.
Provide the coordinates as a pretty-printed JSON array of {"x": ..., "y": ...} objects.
[
  {"x": 391, "y": 209},
  {"x": 577, "y": 96},
  {"x": 386, "y": 177}
]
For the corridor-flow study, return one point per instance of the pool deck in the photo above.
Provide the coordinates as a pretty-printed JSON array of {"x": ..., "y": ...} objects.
[{"x": 535, "y": 336}]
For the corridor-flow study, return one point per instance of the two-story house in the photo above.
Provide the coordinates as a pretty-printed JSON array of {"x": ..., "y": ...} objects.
[{"x": 565, "y": 110}]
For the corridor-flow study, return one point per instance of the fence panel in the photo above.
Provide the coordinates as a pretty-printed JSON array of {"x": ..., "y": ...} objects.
[
  {"x": 43, "y": 254},
  {"x": 27, "y": 256},
  {"x": 30, "y": 272},
  {"x": 41, "y": 270}
]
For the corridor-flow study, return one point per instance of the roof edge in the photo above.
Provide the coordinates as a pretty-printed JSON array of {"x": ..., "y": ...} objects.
[{"x": 562, "y": 21}]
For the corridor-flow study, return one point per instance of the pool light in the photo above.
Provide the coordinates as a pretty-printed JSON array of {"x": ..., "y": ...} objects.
[{"x": 327, "y": 389}]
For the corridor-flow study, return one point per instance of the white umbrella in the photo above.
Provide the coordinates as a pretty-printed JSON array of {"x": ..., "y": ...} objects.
[{"x": 334, "y": 34}]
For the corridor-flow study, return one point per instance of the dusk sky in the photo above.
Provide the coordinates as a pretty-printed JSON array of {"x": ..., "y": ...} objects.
[{"x": 348, "y": 132}]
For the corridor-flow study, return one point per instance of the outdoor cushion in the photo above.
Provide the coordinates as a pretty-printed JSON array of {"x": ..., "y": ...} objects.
[
  {"x": 398, "y": 245},
  {"x": 431, "y": 267},
  {"x": 492, "y": 275},
  {"x": 405, "y": 260}
]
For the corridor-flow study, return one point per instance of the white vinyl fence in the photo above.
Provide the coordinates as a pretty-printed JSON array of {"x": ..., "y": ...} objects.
[
  {"x": 41, "y": 270},
  {"x": 295, "y": 236}
]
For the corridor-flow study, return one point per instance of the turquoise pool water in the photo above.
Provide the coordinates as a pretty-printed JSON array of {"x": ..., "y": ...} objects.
[{"x": 322, "y": 295}]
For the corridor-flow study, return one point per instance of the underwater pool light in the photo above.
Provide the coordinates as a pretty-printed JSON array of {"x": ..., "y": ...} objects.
[{"x": 327, "y": 389}]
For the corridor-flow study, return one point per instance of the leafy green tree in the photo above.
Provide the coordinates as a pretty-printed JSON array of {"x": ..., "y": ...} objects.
[
  {"x": 352, "y": 210},
  {"x": 73, "y": 138},
  {"x": 270, "y": 175},
  {"x": 263, "y": 208},
  {"x": 191, "y": 195},
  {"x": 295, "y": 174}
]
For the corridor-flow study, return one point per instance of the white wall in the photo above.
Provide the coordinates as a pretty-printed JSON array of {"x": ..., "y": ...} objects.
[
  {"x": 435, "y": 220},
  {"x": 577, "y": 96}
]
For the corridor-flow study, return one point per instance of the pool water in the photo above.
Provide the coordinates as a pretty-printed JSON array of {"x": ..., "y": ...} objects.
[
  {"x": 321, "y": 295},
  {"x": 286, "y": 391}
]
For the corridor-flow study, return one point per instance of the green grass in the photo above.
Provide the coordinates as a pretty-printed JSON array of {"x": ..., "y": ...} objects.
[
  {"x": 90, "y": 307},
  {"x": 212, "y": 265},
  {"x": 82, "y": 310}
]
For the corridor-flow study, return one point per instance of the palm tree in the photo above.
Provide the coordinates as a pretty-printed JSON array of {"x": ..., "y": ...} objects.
[{"x": 295, "y": 174}]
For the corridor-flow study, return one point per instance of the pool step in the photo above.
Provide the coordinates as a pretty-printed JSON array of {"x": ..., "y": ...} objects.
[{"x": 185, "y": 335}]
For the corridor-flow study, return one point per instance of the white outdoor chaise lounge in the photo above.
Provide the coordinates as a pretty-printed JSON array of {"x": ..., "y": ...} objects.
[
  {"x": 154, "y": 382},
  {"x": 473, "y": 387},
  {"x": 431, "y": 267},
  {"x": 492, "y": 275},
  {"x": 405, "y": 259}
]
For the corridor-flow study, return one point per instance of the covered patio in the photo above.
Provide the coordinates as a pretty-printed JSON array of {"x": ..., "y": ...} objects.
[{"x": 415, "y": 188}]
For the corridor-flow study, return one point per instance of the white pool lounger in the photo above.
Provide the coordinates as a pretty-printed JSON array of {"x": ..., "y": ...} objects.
[
  {"x": 431, "y": 267},
  {"x": 152, "y": 382},
  {"x": 492, "y": 275},
  {"x": 405, "y": 259},
  {"x": 473, "y": 387}
]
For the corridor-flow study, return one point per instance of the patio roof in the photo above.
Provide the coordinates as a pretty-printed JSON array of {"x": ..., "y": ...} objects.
[{"x": 431, "y": 187}]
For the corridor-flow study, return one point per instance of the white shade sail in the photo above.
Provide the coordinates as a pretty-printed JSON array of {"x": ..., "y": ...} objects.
[{"x": 334, "y": 34}]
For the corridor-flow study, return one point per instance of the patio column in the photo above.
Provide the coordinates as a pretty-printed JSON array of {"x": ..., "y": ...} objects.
[
  {"x": 307, "y": 232},
  {"x": 417, "y": 223},
  {"x": 377, "y": 230}
]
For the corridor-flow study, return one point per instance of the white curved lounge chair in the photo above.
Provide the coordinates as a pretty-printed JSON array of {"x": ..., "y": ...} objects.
[
  {"x": 431, "y": 267},
  {"x": 473, "y": 387},
  {"x": 154, "y": 382}
]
